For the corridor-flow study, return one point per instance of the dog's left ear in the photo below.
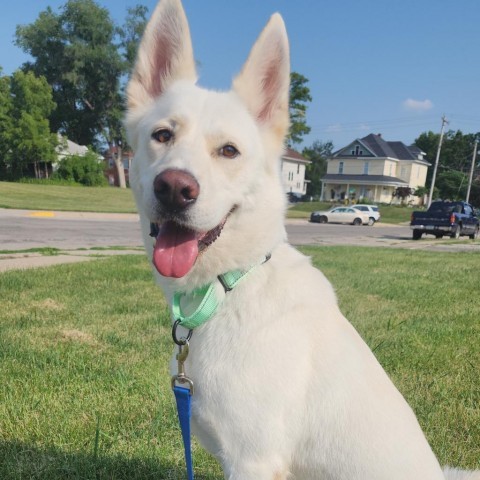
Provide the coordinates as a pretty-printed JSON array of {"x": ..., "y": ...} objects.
[
  {"x": 263, "y": 84},
  {"x": 164, "y": 56}
]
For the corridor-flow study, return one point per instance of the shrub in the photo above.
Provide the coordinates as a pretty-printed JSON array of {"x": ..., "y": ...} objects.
[{"x": 86, "y": 170}]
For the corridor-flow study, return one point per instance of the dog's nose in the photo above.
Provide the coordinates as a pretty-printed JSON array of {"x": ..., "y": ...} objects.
[{"x": 176, "y": 189}]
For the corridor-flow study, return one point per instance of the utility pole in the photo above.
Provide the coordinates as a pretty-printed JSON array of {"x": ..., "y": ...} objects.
[
  {"x": 432, "y": 186},
  {"x": 474, "y": 161}
]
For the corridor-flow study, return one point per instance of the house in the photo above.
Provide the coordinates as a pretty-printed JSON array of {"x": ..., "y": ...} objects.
[
  {"x": 293, "y": 172},
  {"x": 67, "y": 148},
  {"x": 111, "y": 171},
  {"x": 371, "y": 168}
]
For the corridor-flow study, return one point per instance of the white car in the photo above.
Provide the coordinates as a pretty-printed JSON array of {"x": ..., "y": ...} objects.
[
  {"x": 342, "y": 215},
  {"x": 372, "y": 211}
]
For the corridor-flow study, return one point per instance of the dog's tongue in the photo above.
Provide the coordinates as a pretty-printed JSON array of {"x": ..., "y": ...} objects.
[{"x": 175, "y": 250}]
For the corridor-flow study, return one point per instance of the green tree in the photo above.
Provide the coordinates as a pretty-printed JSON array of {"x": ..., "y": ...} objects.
[
  {"x": 85, "y": 57},
  {"x": 76, "y": 52},
  {"x": 6, "y": 124},
  {"x": 456, "y": 152},
  {"x": 452, "y": 185},
  {"x": 28, "y": 139},
  {"x": 131, "y": 33},
  {"x": 318, "y": 154},
  {"x": 299, "y": 97}
]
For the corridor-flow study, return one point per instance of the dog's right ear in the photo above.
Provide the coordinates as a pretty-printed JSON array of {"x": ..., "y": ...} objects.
[{"x": 165, "y": 54}]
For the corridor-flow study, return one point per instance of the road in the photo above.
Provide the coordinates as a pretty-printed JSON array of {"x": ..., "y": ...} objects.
[{"x": 21, "y": 229}]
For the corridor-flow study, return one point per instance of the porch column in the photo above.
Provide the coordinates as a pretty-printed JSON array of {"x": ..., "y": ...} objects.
[{"x": 321, "y": 194}]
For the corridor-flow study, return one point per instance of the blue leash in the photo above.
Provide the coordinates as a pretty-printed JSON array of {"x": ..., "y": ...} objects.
[{"x": 183, "y": 397}]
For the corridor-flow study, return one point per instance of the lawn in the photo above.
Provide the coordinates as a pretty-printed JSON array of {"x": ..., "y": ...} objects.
[
  {"x": 65, "y": 198},
  {"x": 84, "y": 351}
]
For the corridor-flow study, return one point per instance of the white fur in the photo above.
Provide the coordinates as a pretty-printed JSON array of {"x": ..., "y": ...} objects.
[{"x": 285, "y": 387}]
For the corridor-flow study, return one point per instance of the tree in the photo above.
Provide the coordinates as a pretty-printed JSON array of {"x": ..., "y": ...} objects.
[
  {"x": 318, "y": 154},
  {"x": 76, "y": 52},
  {"x": 452, "y": 185},
  {"x": 456, "y": 153},
  {"x": 6, "y": 124},
  {"x": 403, "y": 193},
  {"x": 26, "y": 136},
  {"x": 85, "y": 57},
  {"x": 299, "y": 97},
  {"x": 131, "y": 33}
]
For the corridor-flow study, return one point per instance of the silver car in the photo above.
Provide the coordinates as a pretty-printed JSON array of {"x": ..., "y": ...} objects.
[{"x": 341, "y": 215}]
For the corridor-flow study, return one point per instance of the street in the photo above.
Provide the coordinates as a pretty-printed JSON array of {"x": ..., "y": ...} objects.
[{"x": 22, "y": 229}]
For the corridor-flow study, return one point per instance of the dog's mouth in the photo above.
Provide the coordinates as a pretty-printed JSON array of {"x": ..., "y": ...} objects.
[{"x": 177, "y": 246}]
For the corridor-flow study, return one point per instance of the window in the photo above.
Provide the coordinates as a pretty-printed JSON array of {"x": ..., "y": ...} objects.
[
  {"x": 403, "y": 172},
  {"x": 298, "y": 169},
  {"x": 357, "y": 152},
  {"x": 365, "y": 168},
  {"x": 340, "y": 167}
]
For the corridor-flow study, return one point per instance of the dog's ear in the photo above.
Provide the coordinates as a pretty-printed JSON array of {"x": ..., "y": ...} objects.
[
  {"x": 164, "y": 56},
  {"x": 264, "y": 81}
]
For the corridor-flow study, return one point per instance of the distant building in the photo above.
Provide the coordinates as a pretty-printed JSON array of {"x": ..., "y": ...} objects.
[
  {"x": 66, "y": 148},
  {"x": 371, "y": 168},
  {"x": 293, "y": 172}
]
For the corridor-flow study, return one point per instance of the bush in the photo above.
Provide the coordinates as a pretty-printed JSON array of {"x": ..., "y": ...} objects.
[{"x": 86, "y": 170}]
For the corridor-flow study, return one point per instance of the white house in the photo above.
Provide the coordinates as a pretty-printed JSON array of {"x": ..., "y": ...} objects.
[
  {"x": 67, "y": 148},
  {"x": 293, "y": 172},
  {"x": 372, "y": 168}
]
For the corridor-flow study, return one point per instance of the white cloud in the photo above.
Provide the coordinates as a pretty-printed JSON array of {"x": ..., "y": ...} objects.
[
  {"x": 417, "y": 105},
  {"x": 337, "y": 127},
  {"x": 364, "y": 127}
]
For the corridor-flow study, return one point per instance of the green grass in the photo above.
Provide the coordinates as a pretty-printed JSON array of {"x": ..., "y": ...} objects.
[
  {"x": 389, "y": 213},
  {"x": 65, "y": 198},
  {"x": 46, "y": 251},
  {"x": 84, "y": 353}
]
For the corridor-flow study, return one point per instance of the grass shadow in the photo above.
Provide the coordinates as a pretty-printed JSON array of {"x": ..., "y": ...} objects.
[{"x": 19, "y": 461}]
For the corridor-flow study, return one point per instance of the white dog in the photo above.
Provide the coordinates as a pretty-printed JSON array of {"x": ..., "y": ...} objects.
[{"x": 284, "y": 386}]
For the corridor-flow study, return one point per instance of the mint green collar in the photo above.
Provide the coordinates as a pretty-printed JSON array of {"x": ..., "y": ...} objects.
[{"x": 204, "y": 300}]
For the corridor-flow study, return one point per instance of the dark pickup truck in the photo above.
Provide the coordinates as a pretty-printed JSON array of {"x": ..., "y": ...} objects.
[{"x": 445, "y": 218}]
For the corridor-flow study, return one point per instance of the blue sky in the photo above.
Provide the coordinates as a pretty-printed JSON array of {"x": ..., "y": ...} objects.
[{"x": 374, "y": 66}]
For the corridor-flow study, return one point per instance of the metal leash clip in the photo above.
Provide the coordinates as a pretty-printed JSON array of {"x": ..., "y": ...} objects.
[{"x": 183, "y": 350}]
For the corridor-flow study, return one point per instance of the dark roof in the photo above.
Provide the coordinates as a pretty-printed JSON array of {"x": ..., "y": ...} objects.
[
  {"x": 293, "y": 155},
  {"x": 378, "y": 179},
  {"x": 381, "y": 148}
]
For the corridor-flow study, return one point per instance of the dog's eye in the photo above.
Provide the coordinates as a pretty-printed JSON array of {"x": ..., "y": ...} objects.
[
  {"x": 229, "y": 151},
  {"x": 163, "y": 135}
]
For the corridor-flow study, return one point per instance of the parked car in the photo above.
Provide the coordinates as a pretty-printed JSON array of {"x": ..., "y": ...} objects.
[
  {"x": 341, "y": 215},
  {"x": 372, "y": 210},
  {"x": 445, "y": 218}
]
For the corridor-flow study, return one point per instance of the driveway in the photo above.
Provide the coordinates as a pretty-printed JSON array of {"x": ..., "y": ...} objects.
[{"x": 78, "y": 236}]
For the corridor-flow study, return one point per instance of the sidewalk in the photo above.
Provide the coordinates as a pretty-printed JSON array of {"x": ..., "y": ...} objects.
[{"x": 25, "y": 260}]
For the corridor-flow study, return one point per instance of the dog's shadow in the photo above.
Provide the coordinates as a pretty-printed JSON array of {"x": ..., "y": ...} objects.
[{"x": 23, "y": 461}]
